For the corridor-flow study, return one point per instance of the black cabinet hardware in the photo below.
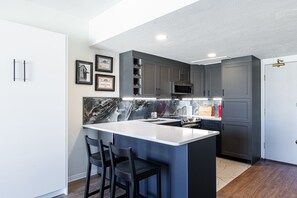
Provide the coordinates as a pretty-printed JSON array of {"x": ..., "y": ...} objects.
[
  {"x": 223, "y": 92},
  {"x": 13, "y": 69},
  {"x": 208, "y": 93},
  {"x": 24, "y": 71}
]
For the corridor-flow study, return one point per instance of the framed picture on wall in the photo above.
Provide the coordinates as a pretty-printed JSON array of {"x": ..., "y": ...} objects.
[
  {"x": 103, "y": 63},
  {"x": 84, "y": 72},
  {"x": 104, "y": 82}
]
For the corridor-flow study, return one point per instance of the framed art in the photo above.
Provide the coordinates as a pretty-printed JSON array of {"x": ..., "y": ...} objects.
[
  {"x": 104, "y": 82},
  {"x": 84, "y": 72},
  {"x": 103, "y": 63}
]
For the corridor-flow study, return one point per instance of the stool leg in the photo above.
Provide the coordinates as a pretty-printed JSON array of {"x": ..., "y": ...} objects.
[
  {"x": 113, "y": 181},
  {"x": 159, "y": 184},
  {"x": 132, "y": 191},
  {"x": 102, "y": 183},
  {"x": 87, "y": 185},
  {"x": 127, "y": 189}
]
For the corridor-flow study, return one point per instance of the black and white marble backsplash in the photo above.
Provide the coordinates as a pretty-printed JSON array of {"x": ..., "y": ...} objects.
[{"x": 99, "y": 110}]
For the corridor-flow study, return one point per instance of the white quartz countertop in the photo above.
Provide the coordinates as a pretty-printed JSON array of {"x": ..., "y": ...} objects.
[{"x": 154, "y": 132}]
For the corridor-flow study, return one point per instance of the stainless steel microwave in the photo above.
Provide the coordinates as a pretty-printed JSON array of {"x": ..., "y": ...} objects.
[{"x": 178, "y": 88}]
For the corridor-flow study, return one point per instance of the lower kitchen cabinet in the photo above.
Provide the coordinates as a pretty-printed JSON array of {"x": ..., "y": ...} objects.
[
  {"x": 213, "y": 125},
  {"x": 236, "y": 139}
]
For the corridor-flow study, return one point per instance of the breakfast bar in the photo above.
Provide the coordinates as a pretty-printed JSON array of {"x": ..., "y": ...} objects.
[{"x": 187, "y": 156}]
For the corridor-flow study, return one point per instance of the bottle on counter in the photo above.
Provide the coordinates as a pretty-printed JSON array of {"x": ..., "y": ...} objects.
[{"x": 220, "y": 110}]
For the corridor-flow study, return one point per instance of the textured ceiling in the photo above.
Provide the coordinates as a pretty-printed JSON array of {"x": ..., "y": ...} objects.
[
  {"x": 266, "y": 28},
  {"x": 84, "y": 9}
]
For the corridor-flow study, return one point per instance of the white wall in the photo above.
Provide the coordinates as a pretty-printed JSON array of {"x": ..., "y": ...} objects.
[{"x": 78, "y": 49}]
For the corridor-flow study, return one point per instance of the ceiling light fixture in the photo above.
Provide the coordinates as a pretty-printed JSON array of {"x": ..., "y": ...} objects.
[
  {"x": 211, "y": 55},
  {"x": 161, "y": 37}
]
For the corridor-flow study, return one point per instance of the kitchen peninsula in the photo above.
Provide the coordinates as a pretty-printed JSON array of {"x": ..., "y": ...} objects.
[{"x": 187, "y": 156}]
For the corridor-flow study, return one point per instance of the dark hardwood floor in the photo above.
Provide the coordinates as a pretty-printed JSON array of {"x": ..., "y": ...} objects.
[
  {"x": 266, "y": 179},
  {"x": 76, "y": 188}
]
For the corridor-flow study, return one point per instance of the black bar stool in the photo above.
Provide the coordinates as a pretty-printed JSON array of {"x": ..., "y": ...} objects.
[
  {"x": 101, "y": 159},
  {"x": 132, "y": 170}
]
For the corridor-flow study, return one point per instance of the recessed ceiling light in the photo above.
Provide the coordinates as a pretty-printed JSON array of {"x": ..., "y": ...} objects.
[
  {"x": 211, "y": 55},
  {"x": 161, "y": 37}
]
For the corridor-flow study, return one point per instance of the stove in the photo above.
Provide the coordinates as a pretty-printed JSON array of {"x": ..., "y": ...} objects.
[{"x": 187, "y": 121}]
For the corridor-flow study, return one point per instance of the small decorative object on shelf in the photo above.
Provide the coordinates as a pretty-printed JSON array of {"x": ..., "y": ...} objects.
[
  {"x": 84, "y": 72},
  {"x": 103, "y": 63},
  {"x": 104, "y": 82}
]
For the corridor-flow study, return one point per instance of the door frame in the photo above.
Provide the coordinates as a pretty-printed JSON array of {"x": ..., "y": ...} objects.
[{"x": 265, "y": 62}]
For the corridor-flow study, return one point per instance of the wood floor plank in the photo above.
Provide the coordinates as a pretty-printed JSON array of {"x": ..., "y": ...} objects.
[{"x": 264, "y": 179}]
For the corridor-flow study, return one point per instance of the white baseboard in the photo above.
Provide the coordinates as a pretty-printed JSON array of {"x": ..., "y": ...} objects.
[
  {"x": 56, "y": 193},
  {"x": 81, "y": 175}
]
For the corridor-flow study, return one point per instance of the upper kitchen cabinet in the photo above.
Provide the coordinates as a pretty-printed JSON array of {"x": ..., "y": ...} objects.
[
  {"x": 237, "y": 78},
  {"x": 198, "y": 80},
  {"x": 164, "y": 89},
  {"x": 185, "y": 74},
  {"x": 207, "y": 80},
  {"x": 149, "y": 84},
  {"x": 145, "y": 75},
  {"x": 213, "y": 80}
]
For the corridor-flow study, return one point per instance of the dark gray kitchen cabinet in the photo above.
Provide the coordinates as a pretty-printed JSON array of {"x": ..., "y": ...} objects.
[
  {"x": 149, "y": 79},
  {"x": 146, "y": 75},
  {"x": 237, "y": 78},
  {"x": 214, "y": 125},
  {"x": 198, "y": 80},
  {"x": 235, "y": 139},
  {"x": 164, "y": 81},
  {"x": 184, "y": 74},
  {"x": 241, "y": 120},
  {"x": 213, "y": 80},
  {"x": 175, "y": 74}
]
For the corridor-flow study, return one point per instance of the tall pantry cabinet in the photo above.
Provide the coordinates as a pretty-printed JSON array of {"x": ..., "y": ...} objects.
[
  {"x": 33, "y": 143},
  {"x": 241, "y": 120}
]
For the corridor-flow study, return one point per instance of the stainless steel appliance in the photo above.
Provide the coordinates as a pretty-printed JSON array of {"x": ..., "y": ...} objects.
[
  {"x": 179, "y": 88},
  {"x": 187, "y": 122},
  {"x": 191, "y": 122}
]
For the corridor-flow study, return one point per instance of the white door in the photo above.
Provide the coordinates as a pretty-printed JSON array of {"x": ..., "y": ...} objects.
[
  {"x": 32, "y": 113},
  {"x": 281, "y": 113}
]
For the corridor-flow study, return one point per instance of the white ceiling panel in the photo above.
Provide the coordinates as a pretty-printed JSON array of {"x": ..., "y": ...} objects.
[{"x": 266, "y": 28}]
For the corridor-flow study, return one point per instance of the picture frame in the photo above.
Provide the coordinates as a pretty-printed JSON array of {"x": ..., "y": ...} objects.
[
  {"x": 84, "y": 72},
  {"x": 104, "y": 82},
  {"x": 103, "y": 63}
]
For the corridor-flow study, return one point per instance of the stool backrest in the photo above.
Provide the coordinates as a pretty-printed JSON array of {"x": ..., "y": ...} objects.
[
  {"x": 98, "y": 144},
  {"x": 116, "y": 152}
]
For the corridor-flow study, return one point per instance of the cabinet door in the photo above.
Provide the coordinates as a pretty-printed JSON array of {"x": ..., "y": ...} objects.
[
  {"x": 213, "y": 85},
  {"x": 184, "y": 74},
  {"x": 197, "y": 79},
  {"x": 175, "y": 74},
  {"x": 237, "y": 79},
  {"x": 237, "y": 110},
  {"x": 33, "y": 112},
  {"x": 164, "y": 85},
  {"x": 235, "y": 139},
  {"x": 149, "y": 79}
]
